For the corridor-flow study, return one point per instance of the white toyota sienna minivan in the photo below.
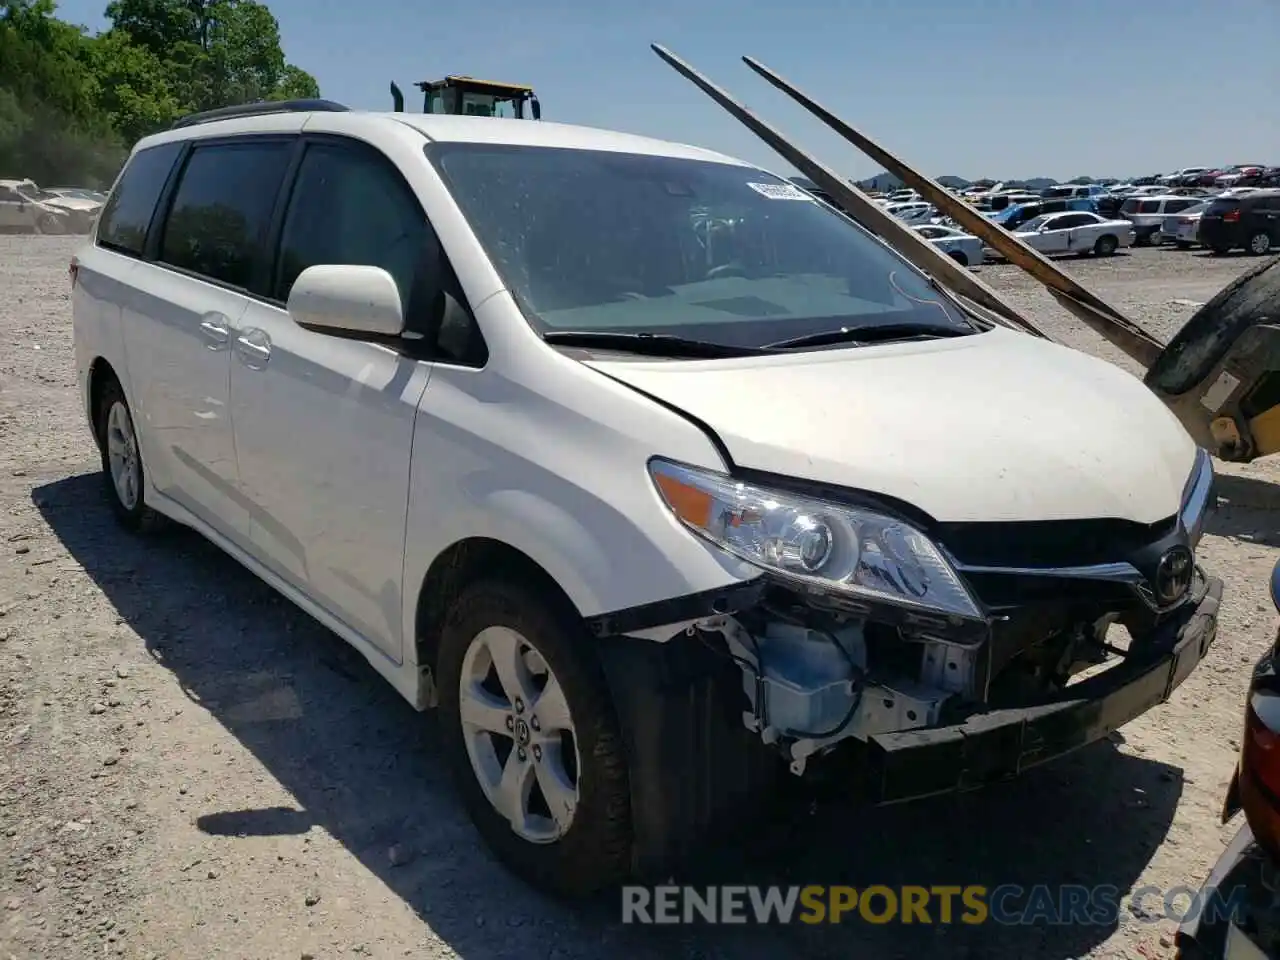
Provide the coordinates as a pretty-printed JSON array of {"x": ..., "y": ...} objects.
[{"x": 663, "y": 480}]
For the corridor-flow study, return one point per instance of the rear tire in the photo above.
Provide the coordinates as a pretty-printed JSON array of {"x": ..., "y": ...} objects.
[
  {"x": 1106, "y": 246},
  {"x": 123, "y": 473},
  {"x": 959, "y": 257},
  {"x": 573, "y": 836},
  {"x": 1220, "y": 251},
  {"x": 1183, "y": 244}
]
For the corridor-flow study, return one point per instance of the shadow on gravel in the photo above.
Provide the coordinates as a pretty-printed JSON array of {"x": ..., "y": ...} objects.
[
  {"x": 361, "y": 765},
  {"x": 1248, "y": 509}
]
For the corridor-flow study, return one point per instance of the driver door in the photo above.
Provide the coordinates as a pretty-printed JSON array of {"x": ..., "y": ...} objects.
[{"x": 1054, "y": 237}]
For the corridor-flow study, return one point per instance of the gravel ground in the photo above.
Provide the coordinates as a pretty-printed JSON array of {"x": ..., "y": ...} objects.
[{"x": 192, "y": 768}]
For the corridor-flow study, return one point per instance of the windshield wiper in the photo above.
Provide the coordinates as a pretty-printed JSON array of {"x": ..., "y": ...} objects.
[
  {"x": 871, "y": 333},
  {"x": 644, "y": 341}
]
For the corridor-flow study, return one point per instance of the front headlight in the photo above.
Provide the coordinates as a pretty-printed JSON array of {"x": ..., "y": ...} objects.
[{"x": 841, "y": 549}]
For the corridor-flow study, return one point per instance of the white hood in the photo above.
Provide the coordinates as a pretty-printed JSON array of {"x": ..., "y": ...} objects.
[{"x": 997, "y": 426}]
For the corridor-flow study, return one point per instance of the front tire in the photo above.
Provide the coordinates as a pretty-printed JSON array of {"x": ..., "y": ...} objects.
[
  {"x": 959, "y": 257},
  {"x": 532, "y": 740},
  {"x": 1260, "y": 244},
  {"x": 122, "y": 469}
]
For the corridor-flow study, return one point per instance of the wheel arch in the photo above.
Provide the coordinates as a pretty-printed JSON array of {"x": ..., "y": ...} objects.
[
  {"x": 460, "y": 564},
  {"x": 101, "y": 372}
]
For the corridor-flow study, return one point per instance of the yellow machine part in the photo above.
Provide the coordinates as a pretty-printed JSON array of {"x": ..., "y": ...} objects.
[{"x": 1265, "y": 428}]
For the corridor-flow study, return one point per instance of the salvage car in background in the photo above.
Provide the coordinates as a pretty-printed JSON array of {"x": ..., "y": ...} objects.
[
  {"x": 1247, "y": 875},
  {"x": 1076, "y": 232},
  {"x": 79, "y": 193},
  {"x": 964, "y": 248},
  {"x": 913, "y": 211},
  {"x": 1147, "y": 215},
  {"x": 1184, "y": 228},
  {"x": 26, "y": 208}
]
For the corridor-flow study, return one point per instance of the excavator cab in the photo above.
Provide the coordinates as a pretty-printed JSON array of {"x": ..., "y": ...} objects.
[{"x": 469, "y": 97}]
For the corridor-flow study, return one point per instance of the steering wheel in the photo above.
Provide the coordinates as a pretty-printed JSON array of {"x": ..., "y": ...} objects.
[{"x": 731, "y": 269}]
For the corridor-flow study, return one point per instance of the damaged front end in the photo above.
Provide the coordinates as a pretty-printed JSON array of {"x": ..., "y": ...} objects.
[{"x": 944, "y": 656}]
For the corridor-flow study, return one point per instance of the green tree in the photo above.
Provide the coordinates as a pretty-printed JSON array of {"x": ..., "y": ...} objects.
[
  {"x": 71, "y": 103},
  {"x": 219, "y": 51}
]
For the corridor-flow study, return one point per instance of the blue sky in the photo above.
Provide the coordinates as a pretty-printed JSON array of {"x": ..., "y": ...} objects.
[{"x": 1003, "y": 88}]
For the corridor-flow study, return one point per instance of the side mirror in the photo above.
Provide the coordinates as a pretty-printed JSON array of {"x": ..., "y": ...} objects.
[{"x": 347, "y": 300}]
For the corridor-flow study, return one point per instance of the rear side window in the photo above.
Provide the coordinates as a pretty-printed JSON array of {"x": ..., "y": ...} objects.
[
  {"x": 1130, "y": 206},
  {"x": 222, "y": 208},
  {"x": 1219, "y": 207},
  {"x": 1149, "y": 206},
  {"x": 127, "y": 214}
]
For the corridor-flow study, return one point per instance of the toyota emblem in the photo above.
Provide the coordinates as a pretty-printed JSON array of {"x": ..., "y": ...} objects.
[{"x": 1173, "y": 575}]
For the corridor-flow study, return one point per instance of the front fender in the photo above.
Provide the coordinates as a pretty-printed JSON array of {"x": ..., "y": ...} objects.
[{"x": 564, "y": 485}]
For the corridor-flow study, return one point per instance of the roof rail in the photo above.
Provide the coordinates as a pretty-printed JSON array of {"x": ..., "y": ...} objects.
[{"x": 259, "y": 109}]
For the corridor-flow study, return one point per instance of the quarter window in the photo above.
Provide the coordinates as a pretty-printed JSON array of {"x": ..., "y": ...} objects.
[
  {"x": 127, "y": 214},
  {"x": 222, "y": 209}
]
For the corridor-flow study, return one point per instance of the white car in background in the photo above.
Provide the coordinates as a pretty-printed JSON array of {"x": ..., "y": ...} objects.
[
  {"x": 79, "y": 193},
  {"x": 1184, "y": 228},
  {"x": 1147, "y": 214},
  {"x": 913, "y": 212},
  {"x": 964, "y": 248},
  {"x": 26, "y": 208},
  {"x": 1076, "y": 231}
]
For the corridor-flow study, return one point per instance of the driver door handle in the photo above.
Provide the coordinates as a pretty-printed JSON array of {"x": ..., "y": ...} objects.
[{"x": 253, "y": 346}]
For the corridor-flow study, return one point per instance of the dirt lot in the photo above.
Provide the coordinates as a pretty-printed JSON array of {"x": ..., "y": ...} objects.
[{"x": 190, "y": 768}]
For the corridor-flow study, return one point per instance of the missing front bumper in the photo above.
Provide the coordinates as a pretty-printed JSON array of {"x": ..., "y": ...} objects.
[{"x": 1000, "y": 744}]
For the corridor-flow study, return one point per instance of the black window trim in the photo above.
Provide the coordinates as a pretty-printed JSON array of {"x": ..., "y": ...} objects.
[
  {"x": 409, "y": 347},
  {"x": 155, "y": 231}
]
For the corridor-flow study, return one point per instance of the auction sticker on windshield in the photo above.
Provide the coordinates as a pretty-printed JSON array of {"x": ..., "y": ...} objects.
[{"x": 779, "y": 191}]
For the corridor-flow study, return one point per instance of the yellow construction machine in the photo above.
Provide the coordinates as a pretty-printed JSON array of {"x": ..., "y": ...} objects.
[
  {"x": 1220, "y": 375},
  {"x": 470, "y": 97}
]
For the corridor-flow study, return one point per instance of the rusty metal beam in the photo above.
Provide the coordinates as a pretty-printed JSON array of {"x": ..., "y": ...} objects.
[
  {"x": 906, "y": 241},
  {"x": 1081, "y": 302}
]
